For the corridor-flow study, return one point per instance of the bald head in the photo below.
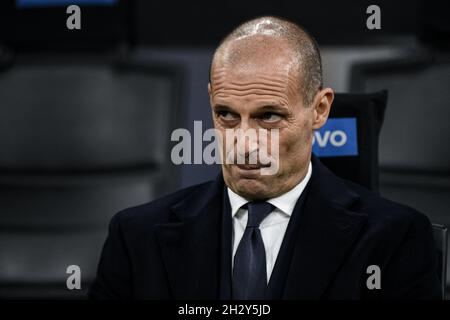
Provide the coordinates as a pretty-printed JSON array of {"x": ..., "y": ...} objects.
[{"x": 273, "y": 40}]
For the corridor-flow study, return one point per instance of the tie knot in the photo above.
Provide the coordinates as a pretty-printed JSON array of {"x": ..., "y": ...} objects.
[{"x": 257, "y": 211}]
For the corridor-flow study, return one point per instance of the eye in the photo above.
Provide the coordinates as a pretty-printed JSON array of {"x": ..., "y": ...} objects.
[
  {"x": 226, "y": 115},
  {"x": 271, "y": 117}
]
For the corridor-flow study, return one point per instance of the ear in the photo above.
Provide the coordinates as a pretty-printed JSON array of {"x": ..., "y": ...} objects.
[{"x": 322, "y": 105}]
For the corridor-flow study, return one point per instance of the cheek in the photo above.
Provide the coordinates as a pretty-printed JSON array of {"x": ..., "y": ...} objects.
[
  {"x": 216, "y": 123},
  {"x": 296, "y": 139}
]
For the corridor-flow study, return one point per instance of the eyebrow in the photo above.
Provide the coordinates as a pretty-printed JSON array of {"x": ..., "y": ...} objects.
[
  {"x": 273, "y": 107},
  {"x": 265, "y": 108},
  {"x": 221, "y": 107}
]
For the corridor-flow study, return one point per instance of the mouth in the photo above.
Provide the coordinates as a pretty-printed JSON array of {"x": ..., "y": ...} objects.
[{"x": 251, "y": 166}]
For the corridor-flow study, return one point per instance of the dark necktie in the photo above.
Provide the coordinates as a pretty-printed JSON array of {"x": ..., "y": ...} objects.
[{"x": 249, "y": 271}]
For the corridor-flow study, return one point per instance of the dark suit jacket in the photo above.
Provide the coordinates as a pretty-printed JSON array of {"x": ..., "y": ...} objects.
[{"x": 172, "y": 248}]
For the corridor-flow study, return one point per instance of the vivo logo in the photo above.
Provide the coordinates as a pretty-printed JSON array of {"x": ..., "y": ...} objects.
[{"x": 338, "y": 137}]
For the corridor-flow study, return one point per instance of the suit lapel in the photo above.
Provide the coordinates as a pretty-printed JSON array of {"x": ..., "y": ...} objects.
[
  {"x": 190, "y": 247},
  {"x": 327, "y": 230}
]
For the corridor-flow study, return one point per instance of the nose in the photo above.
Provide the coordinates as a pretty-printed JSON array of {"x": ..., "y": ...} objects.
[{"x": 247, "y": 139}]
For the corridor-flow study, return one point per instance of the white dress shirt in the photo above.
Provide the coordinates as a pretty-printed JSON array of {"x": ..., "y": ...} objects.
[{"x": 273, "y": 227}]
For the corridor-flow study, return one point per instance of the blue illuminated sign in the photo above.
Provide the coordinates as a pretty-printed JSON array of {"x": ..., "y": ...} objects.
[
  {"x": 57, "y": 3},
  {"x": 338, "y": 137}
]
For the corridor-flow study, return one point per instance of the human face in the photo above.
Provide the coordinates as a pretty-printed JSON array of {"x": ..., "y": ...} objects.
[{"x": 263, "y": 95}]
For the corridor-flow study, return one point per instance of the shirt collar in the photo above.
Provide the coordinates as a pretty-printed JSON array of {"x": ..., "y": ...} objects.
[{"x": 285, "y": 202}]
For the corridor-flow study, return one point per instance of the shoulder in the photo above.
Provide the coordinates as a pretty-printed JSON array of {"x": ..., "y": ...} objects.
[
  {"x": 158, "y": 210},
  {"x": 387, "y": 214}
]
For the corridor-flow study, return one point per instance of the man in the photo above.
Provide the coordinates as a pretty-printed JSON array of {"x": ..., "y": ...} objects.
[{"x": 300, "y": 233}]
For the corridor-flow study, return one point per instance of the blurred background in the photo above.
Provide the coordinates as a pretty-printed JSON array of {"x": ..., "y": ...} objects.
[{"x": 86, "y": 115}]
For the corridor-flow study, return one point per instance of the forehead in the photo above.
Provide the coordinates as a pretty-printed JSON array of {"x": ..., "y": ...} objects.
[
  {"x": 265, "y": 80},
  {"x": 262, "y": 63}
]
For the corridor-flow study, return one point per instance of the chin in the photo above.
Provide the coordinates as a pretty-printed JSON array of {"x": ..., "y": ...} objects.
[{"x": 252, "y": 189}]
